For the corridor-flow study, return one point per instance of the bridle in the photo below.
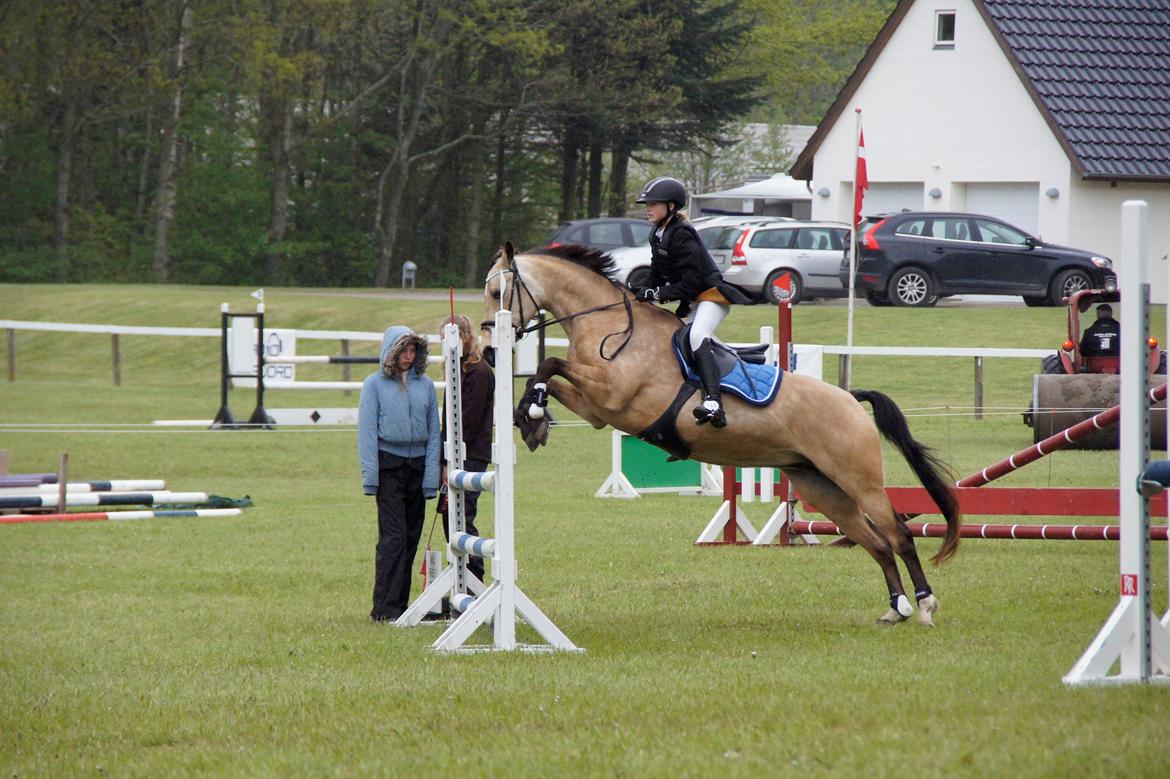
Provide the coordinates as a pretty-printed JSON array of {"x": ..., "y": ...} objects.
[{"x": 518, "y": 289}]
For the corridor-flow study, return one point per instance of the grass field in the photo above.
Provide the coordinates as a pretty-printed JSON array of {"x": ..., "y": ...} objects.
[{"x": 242, "y": 646}]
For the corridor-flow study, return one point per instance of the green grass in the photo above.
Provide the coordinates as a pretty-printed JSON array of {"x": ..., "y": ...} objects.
[{"x": 241, "y": 646}]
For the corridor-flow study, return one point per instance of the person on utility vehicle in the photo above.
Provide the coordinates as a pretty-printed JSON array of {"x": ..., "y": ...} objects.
[{"x": 1103, "y": 337}]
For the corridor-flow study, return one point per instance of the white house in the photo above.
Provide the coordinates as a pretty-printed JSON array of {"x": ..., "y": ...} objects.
[{"x": 1047, "y": 114}]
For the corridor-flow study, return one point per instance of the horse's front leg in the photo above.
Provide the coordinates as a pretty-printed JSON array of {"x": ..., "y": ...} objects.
[{"x": 531, "y": 416}]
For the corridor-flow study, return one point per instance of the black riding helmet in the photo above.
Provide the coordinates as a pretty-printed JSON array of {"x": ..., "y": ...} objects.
[{"x": 664, "y": 189}]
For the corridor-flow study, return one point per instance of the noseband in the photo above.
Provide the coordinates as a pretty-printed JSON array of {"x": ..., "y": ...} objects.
[{"x": 514, "y": 295}]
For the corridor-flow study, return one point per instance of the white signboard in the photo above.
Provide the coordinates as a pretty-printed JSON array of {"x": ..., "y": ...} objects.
[{"x": 242, "y": 352}]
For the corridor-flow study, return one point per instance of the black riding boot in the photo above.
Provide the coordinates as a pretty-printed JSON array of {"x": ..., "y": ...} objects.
[{"x": 711, "y": 409}]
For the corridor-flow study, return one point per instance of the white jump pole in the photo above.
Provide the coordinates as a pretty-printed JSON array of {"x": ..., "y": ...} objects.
[{"x": 1132, "y": 637}]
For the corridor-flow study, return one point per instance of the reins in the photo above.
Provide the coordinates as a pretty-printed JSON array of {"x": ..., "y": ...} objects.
[{"x": 542, "y": 324}]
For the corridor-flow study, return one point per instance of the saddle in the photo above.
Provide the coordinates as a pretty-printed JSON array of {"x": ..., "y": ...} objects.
[{"x": 744, "y": 373}]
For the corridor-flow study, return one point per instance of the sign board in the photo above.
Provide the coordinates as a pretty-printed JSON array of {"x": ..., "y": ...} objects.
[{"x": 242, "y": 352}]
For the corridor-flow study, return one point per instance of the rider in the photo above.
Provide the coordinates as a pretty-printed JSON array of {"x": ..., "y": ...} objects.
[{"x": 681, "y": 269}]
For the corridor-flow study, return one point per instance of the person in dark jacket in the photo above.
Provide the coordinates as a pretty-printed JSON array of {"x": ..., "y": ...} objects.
[
  {"x": 1103, "y": 337},
  {"x": 398, "y": 448},
  {"x": 682, "y": 269},
  {"x": 478, "y": 391}
]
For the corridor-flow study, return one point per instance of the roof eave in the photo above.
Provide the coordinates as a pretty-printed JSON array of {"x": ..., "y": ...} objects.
[{"x": 803, "y": 167}]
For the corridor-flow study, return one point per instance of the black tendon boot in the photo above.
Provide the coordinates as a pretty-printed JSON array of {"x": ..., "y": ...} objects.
[{"x": 711, "y": 409}]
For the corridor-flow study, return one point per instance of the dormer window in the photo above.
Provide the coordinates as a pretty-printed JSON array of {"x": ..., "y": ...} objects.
[{"x": 944, "y": 29}]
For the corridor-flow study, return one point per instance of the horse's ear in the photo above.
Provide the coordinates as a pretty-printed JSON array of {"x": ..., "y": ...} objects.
[{"x": 509, "y": 250}]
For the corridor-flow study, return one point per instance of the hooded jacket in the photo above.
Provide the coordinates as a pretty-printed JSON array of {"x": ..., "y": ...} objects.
[{"x": 398, "y": 412}]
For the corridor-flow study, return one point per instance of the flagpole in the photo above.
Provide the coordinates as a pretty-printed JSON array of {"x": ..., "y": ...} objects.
[{"x": 847, "y": 366}]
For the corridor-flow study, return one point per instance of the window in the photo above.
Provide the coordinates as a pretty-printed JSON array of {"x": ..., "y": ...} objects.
[
  {"x": 911, "y": 227},
  {"x": 720, "y": 238},
  {"x": 817, "y": 238},
  {"x": 997, "y": 232},
  {"x": 944, "y": 29},
  {"x": 606, "y": 234},
  {"x": 641, "y": 233},
  {"x": 772, "y": 239}
]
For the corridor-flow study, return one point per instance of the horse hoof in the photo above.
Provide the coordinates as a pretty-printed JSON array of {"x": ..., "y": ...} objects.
[
  {"x": 891, "y": 617},
  {"x": 927, "y": 607}
]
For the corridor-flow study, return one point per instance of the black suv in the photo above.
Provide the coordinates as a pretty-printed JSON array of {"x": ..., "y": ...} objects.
[{"x": 914, "y": 257}]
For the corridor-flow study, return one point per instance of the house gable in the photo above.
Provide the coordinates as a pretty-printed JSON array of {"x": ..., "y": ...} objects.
[{"x": 1097, "y": 71}]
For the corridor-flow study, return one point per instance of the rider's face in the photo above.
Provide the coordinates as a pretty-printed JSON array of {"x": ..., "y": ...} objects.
[{"x": 656, "y": 211}]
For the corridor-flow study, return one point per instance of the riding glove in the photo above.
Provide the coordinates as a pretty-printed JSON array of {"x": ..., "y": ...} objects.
[{"x": 648, "y": 294}]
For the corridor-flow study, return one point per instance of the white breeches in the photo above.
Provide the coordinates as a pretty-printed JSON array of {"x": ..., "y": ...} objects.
[{"x": 706, "y": 316}]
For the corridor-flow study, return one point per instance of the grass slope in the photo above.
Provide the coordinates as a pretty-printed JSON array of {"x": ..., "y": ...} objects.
[{"x": 241, "y": 646}]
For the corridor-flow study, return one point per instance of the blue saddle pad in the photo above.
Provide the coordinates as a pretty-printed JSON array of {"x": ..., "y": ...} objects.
[{"x": 757, "y": 384}]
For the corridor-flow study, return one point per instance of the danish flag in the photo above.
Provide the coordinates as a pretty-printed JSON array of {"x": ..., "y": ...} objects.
[{"x": 861, "y": 179}]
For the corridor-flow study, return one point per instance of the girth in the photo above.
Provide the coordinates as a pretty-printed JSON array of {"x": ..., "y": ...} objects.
[{"x": 663, "y": 432}]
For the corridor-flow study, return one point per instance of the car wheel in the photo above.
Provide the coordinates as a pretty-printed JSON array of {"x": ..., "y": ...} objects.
[
  {"x": 1032, "y": 301},
  {"x": 769, "y": 290},
  {"x": 912, "y": 287},
  {"x": 877, "y": 298},
  {"x": 638, "y": 278},
  {"x": 1067, "y": 283}
]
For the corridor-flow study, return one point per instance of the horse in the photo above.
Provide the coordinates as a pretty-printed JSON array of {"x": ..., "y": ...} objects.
[{"x": 620, "y": 371}]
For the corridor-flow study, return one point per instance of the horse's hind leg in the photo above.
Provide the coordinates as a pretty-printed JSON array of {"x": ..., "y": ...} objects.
[
  {"x": 927, "y": 603},
  {"x": 835, "y": 504}
]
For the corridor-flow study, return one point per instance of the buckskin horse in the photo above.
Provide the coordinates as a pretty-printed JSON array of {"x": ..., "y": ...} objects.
[{"x": 620, "y": 370}]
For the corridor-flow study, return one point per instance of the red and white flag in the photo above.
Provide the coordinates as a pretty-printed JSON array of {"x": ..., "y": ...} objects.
[{"x": 861, "y": 180}]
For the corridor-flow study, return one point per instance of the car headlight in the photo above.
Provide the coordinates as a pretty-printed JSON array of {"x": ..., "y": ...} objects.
[{"x": 1101, "y": 262}]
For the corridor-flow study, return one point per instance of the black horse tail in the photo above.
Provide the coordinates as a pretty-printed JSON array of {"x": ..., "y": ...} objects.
[{"x": 925, "y": 463}]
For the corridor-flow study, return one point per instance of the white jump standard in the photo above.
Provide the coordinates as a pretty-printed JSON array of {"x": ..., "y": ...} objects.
[
  {"x": 502, "y": 601},
  {"x": 1133, "y": 637}
]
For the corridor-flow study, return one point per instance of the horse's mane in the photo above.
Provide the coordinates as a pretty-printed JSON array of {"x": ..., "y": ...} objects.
[{"x": 587, "y": 257}]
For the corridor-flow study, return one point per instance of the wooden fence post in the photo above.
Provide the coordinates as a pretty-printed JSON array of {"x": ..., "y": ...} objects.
[
  {"x": 345, "y": 366},
  {"x": 116, "y": 354},
  {"x": 979, "y": 388}
]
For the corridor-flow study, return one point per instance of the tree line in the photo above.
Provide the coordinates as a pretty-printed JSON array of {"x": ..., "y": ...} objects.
[{"x": 324, "y": 142}]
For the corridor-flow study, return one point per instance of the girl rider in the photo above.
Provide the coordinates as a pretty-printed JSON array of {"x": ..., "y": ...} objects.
[{"x": 681, "y": 269}]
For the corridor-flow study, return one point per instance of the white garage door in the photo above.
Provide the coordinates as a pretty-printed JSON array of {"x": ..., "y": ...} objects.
[
  {"x": 888, "y": 197},
  {"x": 1017, "y": 204}
]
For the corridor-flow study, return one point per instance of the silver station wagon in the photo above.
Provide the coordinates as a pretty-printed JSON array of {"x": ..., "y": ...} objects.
[{"x": 810, "y": 251}]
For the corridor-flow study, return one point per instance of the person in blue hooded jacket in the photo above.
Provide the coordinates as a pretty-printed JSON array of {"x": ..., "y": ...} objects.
[{"x": 398, "y": 446}]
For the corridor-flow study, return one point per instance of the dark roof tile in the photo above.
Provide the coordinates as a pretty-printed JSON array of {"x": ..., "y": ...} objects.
[{"x": 1101, "y": 68}]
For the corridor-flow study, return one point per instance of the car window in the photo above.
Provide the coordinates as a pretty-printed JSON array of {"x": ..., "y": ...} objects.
[
  {"x": 771, "y": 239},
  {"x": 997, "y": 232},
  {"x": 818, "y": 238},
  {"x": 949, "y": 228},
  {"x": 716, "y": 238},
  {"x": 576, "y": 235},
  {"x": 641, "y": 233},
  {"x": 910, "y": 227},
  {"x": 606, "y": 233}
]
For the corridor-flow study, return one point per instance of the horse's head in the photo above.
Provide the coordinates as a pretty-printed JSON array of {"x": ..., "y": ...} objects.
[{"x": 508, "y": 288}]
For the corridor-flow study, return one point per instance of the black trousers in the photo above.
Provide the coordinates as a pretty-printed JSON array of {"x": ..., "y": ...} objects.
[
  {"x": 470, "y": 509},
  {"x": 400, "y": 521}
]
